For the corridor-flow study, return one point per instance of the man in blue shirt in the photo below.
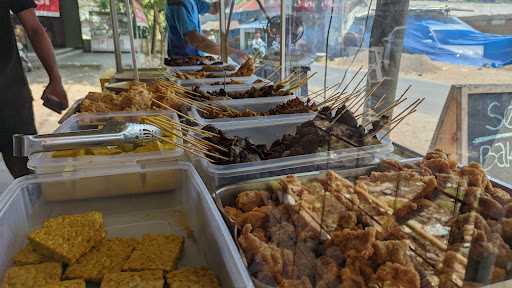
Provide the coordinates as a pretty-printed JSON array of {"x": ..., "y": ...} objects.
[{"x": 185, "y": 38}]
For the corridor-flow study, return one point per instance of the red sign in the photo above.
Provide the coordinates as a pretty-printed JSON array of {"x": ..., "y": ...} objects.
[
  {"x": 140, "y": 17},
  {"x": 49, "y": 8}
]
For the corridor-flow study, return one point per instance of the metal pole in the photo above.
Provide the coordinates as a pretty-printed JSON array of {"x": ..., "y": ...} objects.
[
  {"x": 115, "y": 35},
  {"x": 223, "y": 33},
  {"x": 283, "y": 39},
  {"x": 386, "y": 43},
  {"x": 132, "y": 39}
]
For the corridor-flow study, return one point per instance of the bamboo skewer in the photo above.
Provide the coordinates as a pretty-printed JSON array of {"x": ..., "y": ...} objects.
[{"x": 176, "y": 111}]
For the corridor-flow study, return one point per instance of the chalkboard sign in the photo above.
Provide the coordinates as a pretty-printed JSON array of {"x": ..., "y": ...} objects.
[
  {"x": 476, "y": 125},
  {"x": 490, "y": 133}
]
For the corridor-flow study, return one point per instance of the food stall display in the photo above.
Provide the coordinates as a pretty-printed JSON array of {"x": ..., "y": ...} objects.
[{"x": 392, "y": 225}]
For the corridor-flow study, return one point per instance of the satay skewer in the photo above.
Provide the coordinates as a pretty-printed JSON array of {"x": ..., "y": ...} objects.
[{"x": 176, "y": 111}]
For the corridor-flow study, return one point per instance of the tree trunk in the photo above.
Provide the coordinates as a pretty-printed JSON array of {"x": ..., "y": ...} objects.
[{"x": 386, "y": 43}]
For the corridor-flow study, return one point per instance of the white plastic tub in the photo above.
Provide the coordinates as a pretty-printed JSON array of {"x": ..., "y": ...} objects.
[
  {"x": 266, "y": 133},
  {"x": 44, "y": 162},
  {"x": 208, "y": 81},
  {"x": 179, "y": 206},
  {"x": 253, "y": 104}
]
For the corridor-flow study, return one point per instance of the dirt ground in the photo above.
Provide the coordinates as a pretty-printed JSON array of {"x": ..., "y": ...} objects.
[{"x": 421, "y": 67}]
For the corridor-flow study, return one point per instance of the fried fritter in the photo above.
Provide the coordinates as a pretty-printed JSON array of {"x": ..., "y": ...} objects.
[
  {"x": 393, "y": 275},
  {"x": 355, "y": 242},
  {"x": 248, "y": 200}
]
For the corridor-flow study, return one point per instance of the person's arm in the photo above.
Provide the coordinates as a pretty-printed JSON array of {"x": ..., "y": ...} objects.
[
  {"x": 204, "y": 44},
  {"x": 44, "y": 50}
]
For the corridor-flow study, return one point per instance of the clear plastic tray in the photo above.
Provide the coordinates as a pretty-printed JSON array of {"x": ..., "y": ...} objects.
[
  {"x": 253, "y": 104},
  {"x": 266, "y": 133},
  {"x": 44, "y": 162},
  {"x": 176, "y": 201}
]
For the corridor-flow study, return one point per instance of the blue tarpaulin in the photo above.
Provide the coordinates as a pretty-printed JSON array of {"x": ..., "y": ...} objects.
[{"x": 448, "y": 39}]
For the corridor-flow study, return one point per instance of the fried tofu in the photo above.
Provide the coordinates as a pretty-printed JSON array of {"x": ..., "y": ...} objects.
[
  {"x": 192, "y": 278},
  {"x": 28, "y": 256},
  {"x": 155, "y": 252},
  {"x": 32, "y": 276},
  {"x": 67, "y": 284},
  {"x": 144, "y": 279},
  {"x": 67, "y": 238},
  {"x": 107, "y": 257}
]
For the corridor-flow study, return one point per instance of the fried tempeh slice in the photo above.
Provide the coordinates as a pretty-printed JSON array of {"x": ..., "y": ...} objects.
[
  {"x": 191, "y": 277},
  {"x": 27, "y": 256},
  {"x": 155, "y": 252},
  {"x": 67, "y": 238},
  {"x": 144, "y": 279},
  {"x": 67, "y": 284},
  {"x": 108, "y": 257},
  {"x": 32, "y": 275}
]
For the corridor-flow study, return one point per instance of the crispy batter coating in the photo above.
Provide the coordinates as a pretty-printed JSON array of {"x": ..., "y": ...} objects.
[
  {"x": 246, "y": 201},
  {"x": 155, "y": 252},
  {"x": 393, "y": 275},
  {"x": 67, "y": 238},
  {"x": 144, "y": 279},
  {"x": 394, "y": 251},
  {"x": 190, "y": 277},
  {"x": 67, "y": 284},
  {"x": 107, "y": 257},
  {"x": 358, "y": 243},
  {"x": 27, "y": 256},
  {"x": 32, "y": 276}
]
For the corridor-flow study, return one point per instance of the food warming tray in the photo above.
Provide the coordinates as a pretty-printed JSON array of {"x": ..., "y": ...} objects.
[
  {"x": 226, "y": 197},
  {"x": 207, "y": 81},
  {"x": 45, "y": 163},
  {"x": 175, "y": 201},
  {"x": 253, "y": 104},
  {"x": 267, "y": 132}
]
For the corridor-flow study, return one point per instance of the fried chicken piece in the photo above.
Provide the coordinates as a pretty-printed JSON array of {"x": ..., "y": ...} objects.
[
  {"x": 356, "y": 273},
  {"x": 498, "y": 194},
  {"x": 463, "y": 227},
  {"x": 475, "y": 175},
  {"x": 283, "y": 235},
  {"x": 498, "y": 275},
  {"x": 508, "y": 210},
  {"x": 507, "y": 230},
  {"x": 471, "y": 198},
  {"x": 260, "y": 234},
  {"x": 248, "y": 200},
  {"x": 233, "y": 213},
  {"x": 326, "y": 273},
  {"x": 504, "y": 255},
  {"x": 452, "y": 271},
  {"x": 393, "y": 275},
  {"x": 347, "y": 219},
  {"x": 394, "y": 251},
  {"x": 481, "y": 258},
  {"x": 257, "y": 218},
  {"x": 302, "y": 283},
  {"x": 355, "y": 242},
  {"x": 388, "y": 165},
  {"x": 490, "y": 208},
  {"x": 411, "y": 209}
]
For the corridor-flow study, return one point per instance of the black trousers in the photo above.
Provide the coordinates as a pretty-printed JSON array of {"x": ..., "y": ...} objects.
[{"x": 16, "y": 119}]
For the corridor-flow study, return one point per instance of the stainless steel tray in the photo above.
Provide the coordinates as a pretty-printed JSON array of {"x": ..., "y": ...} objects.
[{"x": 226, "y": 197}]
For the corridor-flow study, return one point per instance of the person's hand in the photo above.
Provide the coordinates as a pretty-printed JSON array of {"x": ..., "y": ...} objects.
[
  {"x": 214, "y": 8},
  {"x": 239, "y": 56},
  {"x": 56, "y": 90}
]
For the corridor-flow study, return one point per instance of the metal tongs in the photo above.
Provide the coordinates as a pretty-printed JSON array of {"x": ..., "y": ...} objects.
[{"x": 113, "y": 133}]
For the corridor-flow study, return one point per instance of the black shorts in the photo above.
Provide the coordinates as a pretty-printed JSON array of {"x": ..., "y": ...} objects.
[{"x": 15, "y": 119}]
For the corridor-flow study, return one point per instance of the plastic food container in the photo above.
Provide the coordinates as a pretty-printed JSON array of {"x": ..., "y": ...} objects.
[
  {"x": 266, "y": 133},
  {"x": 207, "y": 81},
  {"x": 253, "y": 104},
  {"x": 44, "y": 162},
  {"x": 175, "y": 201}
]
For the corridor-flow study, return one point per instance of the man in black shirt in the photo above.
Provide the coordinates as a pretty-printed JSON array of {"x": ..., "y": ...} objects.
[{"x": 16, "y": 113}]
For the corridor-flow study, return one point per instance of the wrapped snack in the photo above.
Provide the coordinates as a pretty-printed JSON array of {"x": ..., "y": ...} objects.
[
  {"x": 32, "y": 275},
  {"x": 145, "y": 279},
  {"x": 155, "y": 252},
  {"x": 67, "y": 238},
  {"x": 108, "y": 257},
  {"x": 190, "y": 277}
]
